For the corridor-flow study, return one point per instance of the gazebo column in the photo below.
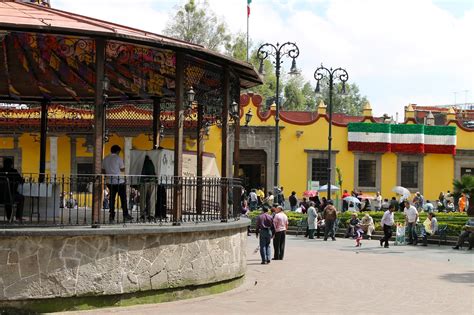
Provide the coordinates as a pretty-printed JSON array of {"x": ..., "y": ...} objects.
[
  {"x": 236, "y": 159},
  {"x": 224, "y": 151},
  {"x": 156, "y": 122},
  {"x": 178, "y": 140},
  {"x": 43, "y": 138},
  {"x": 99, "y": 120},
  {"x": 199, "y": 156},
  {"x": 53, "y": 155}
]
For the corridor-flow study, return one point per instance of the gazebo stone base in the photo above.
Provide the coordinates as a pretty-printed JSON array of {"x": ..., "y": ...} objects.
[
  {"x": 42, "y": 268},
  {"x": 118, "y": 300}
]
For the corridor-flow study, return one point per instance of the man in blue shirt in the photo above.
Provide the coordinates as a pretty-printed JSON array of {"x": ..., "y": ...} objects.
[{"x": 264, "y": 226}]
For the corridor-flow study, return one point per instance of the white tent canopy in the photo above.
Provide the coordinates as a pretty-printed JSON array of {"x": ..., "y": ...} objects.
[{"x": 163, "y": 160}]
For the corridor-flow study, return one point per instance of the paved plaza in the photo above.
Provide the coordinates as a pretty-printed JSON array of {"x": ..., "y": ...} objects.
[{"x": 336, "y": 278}]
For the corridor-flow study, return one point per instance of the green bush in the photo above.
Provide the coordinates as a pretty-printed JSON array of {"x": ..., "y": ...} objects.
[{"x": 454, "y": 220}]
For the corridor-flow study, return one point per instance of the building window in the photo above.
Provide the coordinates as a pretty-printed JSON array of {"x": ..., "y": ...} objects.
[
  {"x": 467, "y": 171},
  {"x": 319, "y": 171},
  {"x": 409, "y": 174},
  {"x": 367, "y": 173}
]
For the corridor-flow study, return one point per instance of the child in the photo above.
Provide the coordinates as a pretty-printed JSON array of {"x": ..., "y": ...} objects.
[{"x": 358, "y": 235}]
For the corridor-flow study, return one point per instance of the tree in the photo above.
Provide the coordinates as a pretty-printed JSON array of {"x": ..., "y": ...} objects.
[
  {"x": 298, "y": 94},
  {"x": 237, "y": 47},
  {"x": 351, "y": 103},
  {"x": 198, "y": 24},
  {"x": 466, "y": 186}
]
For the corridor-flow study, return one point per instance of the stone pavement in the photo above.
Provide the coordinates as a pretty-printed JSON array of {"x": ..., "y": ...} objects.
[{"x": 336, "y": 278}]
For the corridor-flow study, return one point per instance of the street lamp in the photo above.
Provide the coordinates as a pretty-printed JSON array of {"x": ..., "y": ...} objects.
[
  {"x": 332, "y": 74},
  {"x": 248, "y": 117},
  {"x": 277, "y": 52}
]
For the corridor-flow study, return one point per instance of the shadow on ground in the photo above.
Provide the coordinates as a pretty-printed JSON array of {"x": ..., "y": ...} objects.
[{"x": 467, "y": 277}]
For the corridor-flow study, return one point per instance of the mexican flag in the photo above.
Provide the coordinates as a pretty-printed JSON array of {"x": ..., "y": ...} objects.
[
  {"x": 371, "y": 137},
  {"x": 248, "y": 7}
]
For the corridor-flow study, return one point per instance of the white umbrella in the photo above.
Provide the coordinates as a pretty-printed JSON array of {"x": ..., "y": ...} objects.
[
  {"x": 401, "y": 191},
  {"x": 351, "y": 199},
  {"x": 325, "y": 188}
]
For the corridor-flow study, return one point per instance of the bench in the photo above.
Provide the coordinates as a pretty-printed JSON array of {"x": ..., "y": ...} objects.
[{"x": 301, "y": 226}]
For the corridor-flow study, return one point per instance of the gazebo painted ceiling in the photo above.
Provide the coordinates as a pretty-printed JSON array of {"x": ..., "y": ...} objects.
[{"x": 50, "y": 54}]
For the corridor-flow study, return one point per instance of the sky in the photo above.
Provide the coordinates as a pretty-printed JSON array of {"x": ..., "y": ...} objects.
[{"x": 398, "y": 52}]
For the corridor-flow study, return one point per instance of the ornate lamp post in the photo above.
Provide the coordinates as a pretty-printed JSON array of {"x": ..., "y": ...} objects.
[
  {"x": 277, "y": 52},
  {"x": 332, "y": 74}
]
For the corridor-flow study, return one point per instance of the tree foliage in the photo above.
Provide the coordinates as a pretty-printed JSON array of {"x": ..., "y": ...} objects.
[
  {"x": 466, "y": 186},
  {"x": 195, "y": 22},
  {"x": 350, "y": 103}
]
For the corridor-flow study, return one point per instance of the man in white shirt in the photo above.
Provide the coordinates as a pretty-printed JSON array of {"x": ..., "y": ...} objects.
[
  {"x": 253, "y": 200},
  {"x": 411, "y": 218},
  {"x": 112, "y": 167},
  {"x": 387, "y": 223},
  {"x": 378, "y": 201}
]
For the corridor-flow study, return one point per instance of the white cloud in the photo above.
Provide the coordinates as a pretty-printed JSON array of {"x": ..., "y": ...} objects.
[{"x": 397, "y": 51}]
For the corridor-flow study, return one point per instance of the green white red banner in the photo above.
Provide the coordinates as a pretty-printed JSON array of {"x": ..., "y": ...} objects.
[{"x": 372, "y": 137}]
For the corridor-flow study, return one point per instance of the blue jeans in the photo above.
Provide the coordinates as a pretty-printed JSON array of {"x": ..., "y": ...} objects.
[
  {"x": 412, "y": 236},
  {"x": 253, "y": 205},
  {"x": 265, "y": 248}
]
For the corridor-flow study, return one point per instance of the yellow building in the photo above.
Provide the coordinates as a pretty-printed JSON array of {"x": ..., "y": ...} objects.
[
  {"x": 303, "y": 147},
  {"x": 303, "y": 152}
]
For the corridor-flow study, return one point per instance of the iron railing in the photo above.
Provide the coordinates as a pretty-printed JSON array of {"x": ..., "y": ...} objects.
[{"x": 44, "y": 200}]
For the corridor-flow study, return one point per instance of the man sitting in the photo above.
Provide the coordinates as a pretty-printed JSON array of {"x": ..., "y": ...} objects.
[
  {"x": 11, "y": 178},
  {"x": 367, "y": 225},
  {"x": 466, "y": 234},
  {"x": 430, "y": 226}
]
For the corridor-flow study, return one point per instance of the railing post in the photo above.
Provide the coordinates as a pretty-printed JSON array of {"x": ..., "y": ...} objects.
[{"x": 178, "y": 140}]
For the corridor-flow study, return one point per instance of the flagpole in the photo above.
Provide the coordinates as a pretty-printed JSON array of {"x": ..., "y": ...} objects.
[{"x": 248, "y": 16}]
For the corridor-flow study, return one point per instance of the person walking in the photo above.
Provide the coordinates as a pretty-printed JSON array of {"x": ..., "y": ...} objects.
[
  {"x": 411, "y": 218},
  {"x": 387, "y": 223},
  {"x": 378, "y": 201},
  {"x": 293, "y": 201},
  {"x": 113, "y": 167},
  {"x": 253, "y": 200},
  {"x": 329, "y": 216},
  {"x": 312, "y": 220},
  {"x": 264, "y": 233},
  {"x": 281, "y": 197},
  {"x": 280, "y": 223}
]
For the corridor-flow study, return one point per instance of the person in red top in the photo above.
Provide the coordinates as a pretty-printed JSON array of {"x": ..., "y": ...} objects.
[
  {"x": 280, "y": 223},
  {"x": 345, "y": 204}
]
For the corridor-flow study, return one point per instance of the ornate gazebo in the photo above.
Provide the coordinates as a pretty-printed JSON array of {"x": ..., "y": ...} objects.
[{"x": 52, "y": 59}]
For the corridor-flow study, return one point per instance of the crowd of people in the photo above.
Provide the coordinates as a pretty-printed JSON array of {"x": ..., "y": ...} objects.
[{"x": 322, "y": 216}]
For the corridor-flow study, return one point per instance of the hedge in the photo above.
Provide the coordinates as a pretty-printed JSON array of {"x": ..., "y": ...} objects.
[{"x": 454, "y": 220}]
